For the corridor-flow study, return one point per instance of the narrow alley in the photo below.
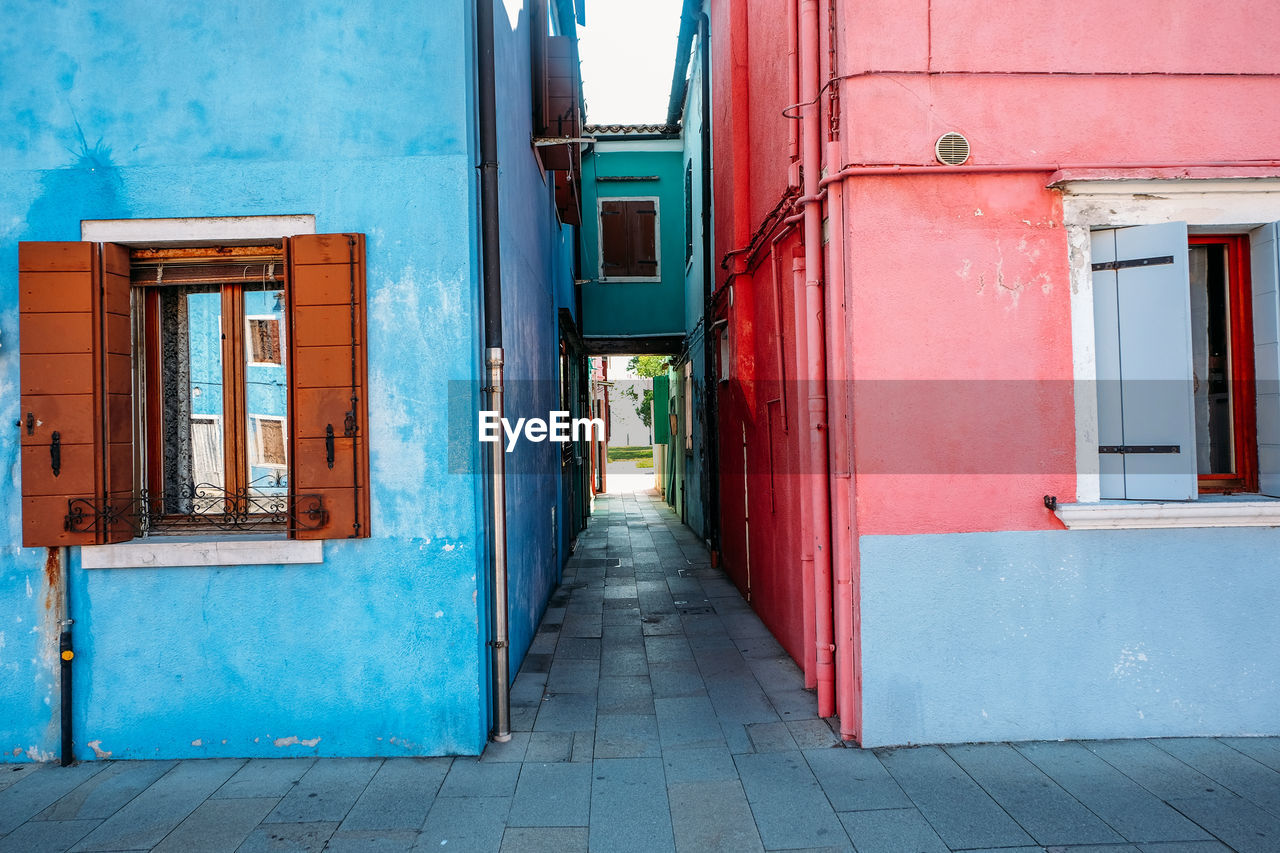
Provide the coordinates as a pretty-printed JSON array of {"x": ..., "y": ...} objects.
[{"x": 655, "y": 712}]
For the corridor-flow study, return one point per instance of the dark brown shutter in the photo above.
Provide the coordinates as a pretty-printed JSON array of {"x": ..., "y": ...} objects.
[
  {"x": 328, "y": 436},
  {"x": 642, "y": 220},
  {"x": 615, "y": 244},
  {"x": 76, "y": 416},
  {"x": 539, "y": 32}
]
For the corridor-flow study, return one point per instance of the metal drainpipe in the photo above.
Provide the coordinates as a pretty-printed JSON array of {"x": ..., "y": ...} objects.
[
  {"x": 492, "y": 286},
  {"x": 815, "y": 377},
  {"x": 801, "y": 421},
  {"x": 55, "y": 572},
  {"x": 844, "y": 539},
  {"x": 710, "y": 449}
]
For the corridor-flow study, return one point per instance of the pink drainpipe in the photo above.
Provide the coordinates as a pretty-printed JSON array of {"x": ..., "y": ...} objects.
[
  {"x": 810, "y": 659},
  {"x": 814, "y": 376},
  {"x": 844, "y": 538},
  {"x": 800, "y": 418}
]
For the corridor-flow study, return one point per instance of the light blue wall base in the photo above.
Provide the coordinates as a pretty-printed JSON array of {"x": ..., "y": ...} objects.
[{"x": 1072, "y": 634}]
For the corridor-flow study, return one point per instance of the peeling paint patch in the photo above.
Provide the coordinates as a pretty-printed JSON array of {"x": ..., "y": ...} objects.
[
  {"x": 293, "y": 741},
  {"x": 34, "y": 753},
  {"x": 1130, "y": 662},
  {"x": 96, "y": 746},
  {"x": 197, "y": 742}
]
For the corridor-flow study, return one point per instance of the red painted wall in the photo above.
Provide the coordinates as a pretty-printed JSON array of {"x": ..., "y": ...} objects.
[{"x": 959, "y": 330}]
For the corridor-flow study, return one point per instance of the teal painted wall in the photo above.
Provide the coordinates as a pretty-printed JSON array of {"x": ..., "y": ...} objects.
[
  {"x": 362, "y": 115},
  {"x": 695, "y": 463},
  {"x": 634, "y": 308}
]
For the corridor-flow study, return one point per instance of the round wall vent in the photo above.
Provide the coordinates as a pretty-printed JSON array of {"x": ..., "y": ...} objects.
[{"x": 951, "y": 149}]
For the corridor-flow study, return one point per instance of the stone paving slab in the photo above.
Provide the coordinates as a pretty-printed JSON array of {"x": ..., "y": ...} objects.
[
  {"x": 146, "y": 819},
  {"x": 654, "y": 713},
  {"x": 221, "y": 824},
  {"x": 326, "y": 792},
  {"x": 962, "y": 814},
  {"x": 1131, "y": 810},
  {"x": 1046, "y": 812}
]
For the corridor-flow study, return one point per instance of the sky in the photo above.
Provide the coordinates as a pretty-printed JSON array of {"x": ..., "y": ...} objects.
[{"x": 628, "y": 52}]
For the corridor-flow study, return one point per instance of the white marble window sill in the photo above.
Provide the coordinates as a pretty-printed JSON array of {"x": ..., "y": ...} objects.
[
  {"x": 177, "y": 552},
  {"x": 1209, "y": 511}
]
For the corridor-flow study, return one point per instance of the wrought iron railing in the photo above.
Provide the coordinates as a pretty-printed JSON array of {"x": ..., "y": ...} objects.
[{"x": 204, "y": 505}]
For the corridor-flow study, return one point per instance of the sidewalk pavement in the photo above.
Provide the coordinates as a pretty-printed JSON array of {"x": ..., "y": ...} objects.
[{"x": 653, "y": 713}]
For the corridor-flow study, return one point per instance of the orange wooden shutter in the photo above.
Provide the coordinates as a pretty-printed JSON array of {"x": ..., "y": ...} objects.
[
  {"x": 76, "y": 417},
  {"x": 328, "y": 434}
]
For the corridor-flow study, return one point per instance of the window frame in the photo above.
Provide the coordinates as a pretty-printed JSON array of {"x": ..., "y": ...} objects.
[
  {"x": 279, "y": 340},
  {"x": 1212, "y": 204},
  {"x": 208, "y": 547},
  {"x": 1243, "y": 399},
  {"x": 237, "y": 452},
  {"x": 657, "y": 241},
  {"x": 258, "y": 457}
]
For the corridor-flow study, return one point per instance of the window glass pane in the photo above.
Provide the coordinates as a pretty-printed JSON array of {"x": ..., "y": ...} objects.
[
  {"x": 1211, "y": 359},
  {"x": 266, "y": 393},
  {"x": 191, "y": 373}
]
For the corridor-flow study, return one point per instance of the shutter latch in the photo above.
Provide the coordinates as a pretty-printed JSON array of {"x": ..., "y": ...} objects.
[
  {"x": 328, "y": 444},
  {"x": 1139, "y": 448},
  {"x": 55, "y": 453},
  {"x": 31, "y": 424}
]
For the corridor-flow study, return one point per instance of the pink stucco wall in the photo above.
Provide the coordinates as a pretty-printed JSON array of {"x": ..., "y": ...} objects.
[
  {"x": 962, "y": 366},
  {"x": 1084, "y": 36},
  {"x": 959, "y": 283}
]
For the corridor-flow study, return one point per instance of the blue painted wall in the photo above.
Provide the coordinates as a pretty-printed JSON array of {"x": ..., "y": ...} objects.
[
  {"x": 363, "y": 115},
  {"x": 1070, "y": 634},
  {"x": 537, "y": 274},
  {"x": 634, "y": 308}
]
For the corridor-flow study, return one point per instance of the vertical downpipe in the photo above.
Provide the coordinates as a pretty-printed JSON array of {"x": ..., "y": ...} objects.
[
  {"x": 55, "y": 570},
  {"x": 491, "y": 261},
  {"x": 815, "y": 377},
  {"x": 498, "y": 513},
  {"x": 793, "y": 80},
  {"x": 844, "y": 540},
  {"x": 710, "y": 444},
  {"x": 801, "y": 420}
]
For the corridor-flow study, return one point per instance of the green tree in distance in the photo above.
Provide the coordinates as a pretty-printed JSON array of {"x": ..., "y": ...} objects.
[{"x": 646, "y": 366}]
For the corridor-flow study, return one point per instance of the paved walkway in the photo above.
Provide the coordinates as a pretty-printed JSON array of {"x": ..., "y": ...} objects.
[{"x": 653, "y": 713}]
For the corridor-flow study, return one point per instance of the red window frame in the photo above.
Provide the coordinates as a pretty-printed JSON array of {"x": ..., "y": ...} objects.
[
  {"x": 1244, "y": 390},
  {"x": 237, "y": 454}
]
